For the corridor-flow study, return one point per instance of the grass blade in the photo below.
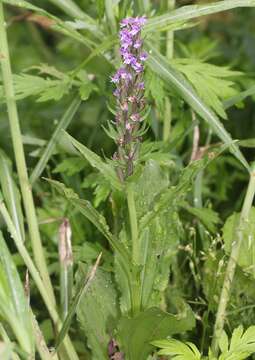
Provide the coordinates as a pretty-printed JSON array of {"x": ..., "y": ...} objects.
[
  {"x": 189, "y": 12},
  {"x": 14, "y": 304},
  {"x": 82, "y": 289},
  {"x": 160, "y": 65},
  {"x": 63, "y": 124},
  {"x": 11, "y": 194},
  {"x": 69, "y": 7},
  {"x": 239, "y": 97},
  {"x": 66, "y": 266}
]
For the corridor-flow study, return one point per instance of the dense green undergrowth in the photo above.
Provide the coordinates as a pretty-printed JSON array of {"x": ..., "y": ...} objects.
[{"x": 126, "y": 219}]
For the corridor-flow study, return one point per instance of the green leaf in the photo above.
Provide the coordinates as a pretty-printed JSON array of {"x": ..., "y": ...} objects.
[
  {"x": 63, "y": 124},
  {"x": 97, "y": 312},
  {"x": 239, "y": 97},
  {"x": 160, "y": 65},
  {"x": 106, "y": 170},
  {"x": 14, "y": 306},
  {"x": 81, "y": 293},
  {"x": 207, "y": 216},
  {"x": 85, "y": 207},
  {"x": 246, "y": 257},
  {"x": 11, "y": 194},
  {"x": 136, "y": 334},
  {"x": 186, "y": 13},
  {"x": 177, "y": 349},
  {"x": 56, "y": 24},
  {"x": 242, "y": 344},
  {"x": 70, "y": 166},
  {"x": 209, "y": 81}
]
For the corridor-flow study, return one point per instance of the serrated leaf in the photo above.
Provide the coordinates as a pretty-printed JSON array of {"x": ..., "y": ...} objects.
[
  {"x": 106, "y": 170},
  {"x": 209, "y": 81},
  {"x": 160, "y": 65},
  {"x": 136, "y": 334},
  {"x": 97, "y": 312},
  {"x": 85, "y": 207},
  {"x": 177, "y": 349},
  {"x": 223, "y": 342}
]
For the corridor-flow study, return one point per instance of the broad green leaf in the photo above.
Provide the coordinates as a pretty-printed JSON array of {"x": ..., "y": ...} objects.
[
  {"x": 14, "y": 306},
  {"x": 160, "y": 65},
  {"x": 97, "y": 312},
  {"x": 136, "y": 334},
  {"x": 63, "y": 124},
  {"x": 186, "y": 13},
  {"x": 177, "y": 349},
  {"x": 106, "y": 170},
  {"x": 11, "y": 194},
  {"x": 246, "y": 257}
]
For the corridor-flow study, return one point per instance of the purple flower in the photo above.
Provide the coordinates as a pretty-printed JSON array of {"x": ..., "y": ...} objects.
[
  {"x": 129, "y": 92},
  {"x": 138, "y": 44},
  {"x": 140, "y": 85},
  {"x": 138, "y": 67},
  {"x": 143, "y": 56},
  {"x": 129, "y": 59}
]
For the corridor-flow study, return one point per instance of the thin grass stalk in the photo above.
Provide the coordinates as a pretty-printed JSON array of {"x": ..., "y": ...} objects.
[
  {"x": 169, "y": 55},
  {"x": 68, "y": 346},
  {"x": 231, "y": 266},
  {"x": 20, "y": 157},
  {"x": 66, "y": 267}
]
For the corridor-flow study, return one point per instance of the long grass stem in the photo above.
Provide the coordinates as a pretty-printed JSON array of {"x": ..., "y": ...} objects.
[
  {"x": 231, "y": 266},
  {"x": 20, "y": 157},
  {"x": 169, "y": 55},
  {"x": 68, "y": 346}
]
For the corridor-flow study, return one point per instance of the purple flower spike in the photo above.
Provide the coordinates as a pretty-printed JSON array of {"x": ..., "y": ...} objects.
[{"x": 129, "y": 94}]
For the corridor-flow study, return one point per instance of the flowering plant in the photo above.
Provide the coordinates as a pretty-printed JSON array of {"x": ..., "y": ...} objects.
[{"x": 129, "y": 94}]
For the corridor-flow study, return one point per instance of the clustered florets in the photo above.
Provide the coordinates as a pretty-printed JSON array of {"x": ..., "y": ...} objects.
[{"x": 129, "y": 93}]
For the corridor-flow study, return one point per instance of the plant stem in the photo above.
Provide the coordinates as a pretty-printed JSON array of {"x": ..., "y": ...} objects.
[
  {"x": 169, "y": 55},
  {"x": 231, "y": 267},
  {"x": 135, "y": 282},
  {"x": 133, "y": 224},
  {"x": 37, "y": 279},
  {"x": 20, "y": 157}
]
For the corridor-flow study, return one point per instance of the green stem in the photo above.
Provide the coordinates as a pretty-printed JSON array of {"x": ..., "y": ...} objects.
[
  {"x": 169, "y": 55},
  {"x": 37, "y": 279},
  {"x": 231, "y": 267},
  {"x": 20, "y": 157},
  {"x": 135, "y": 281}
]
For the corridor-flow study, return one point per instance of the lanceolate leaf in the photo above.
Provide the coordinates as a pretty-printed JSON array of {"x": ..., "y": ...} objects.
[
  {"x": 186, "y": 13},
  {"x": 160, "y": 65},
  {"x": 105, "y": 169},
  {"x": 11, "y": 194},
  {"x": 136, "y": 334},
  {"x": 13, "y": 302},
  {"x": 239, "y": 97},
  {"x": 85, "y": 207}
]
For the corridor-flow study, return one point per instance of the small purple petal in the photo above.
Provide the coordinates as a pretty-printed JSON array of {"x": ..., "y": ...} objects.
[
  {"x": 135, "y": 117},
  {"x": 137, "y": 67},
  {"x": 138, "y": 44},
  {"x": 140, "y": 85},
  {"x": 143, "y": 56}
]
